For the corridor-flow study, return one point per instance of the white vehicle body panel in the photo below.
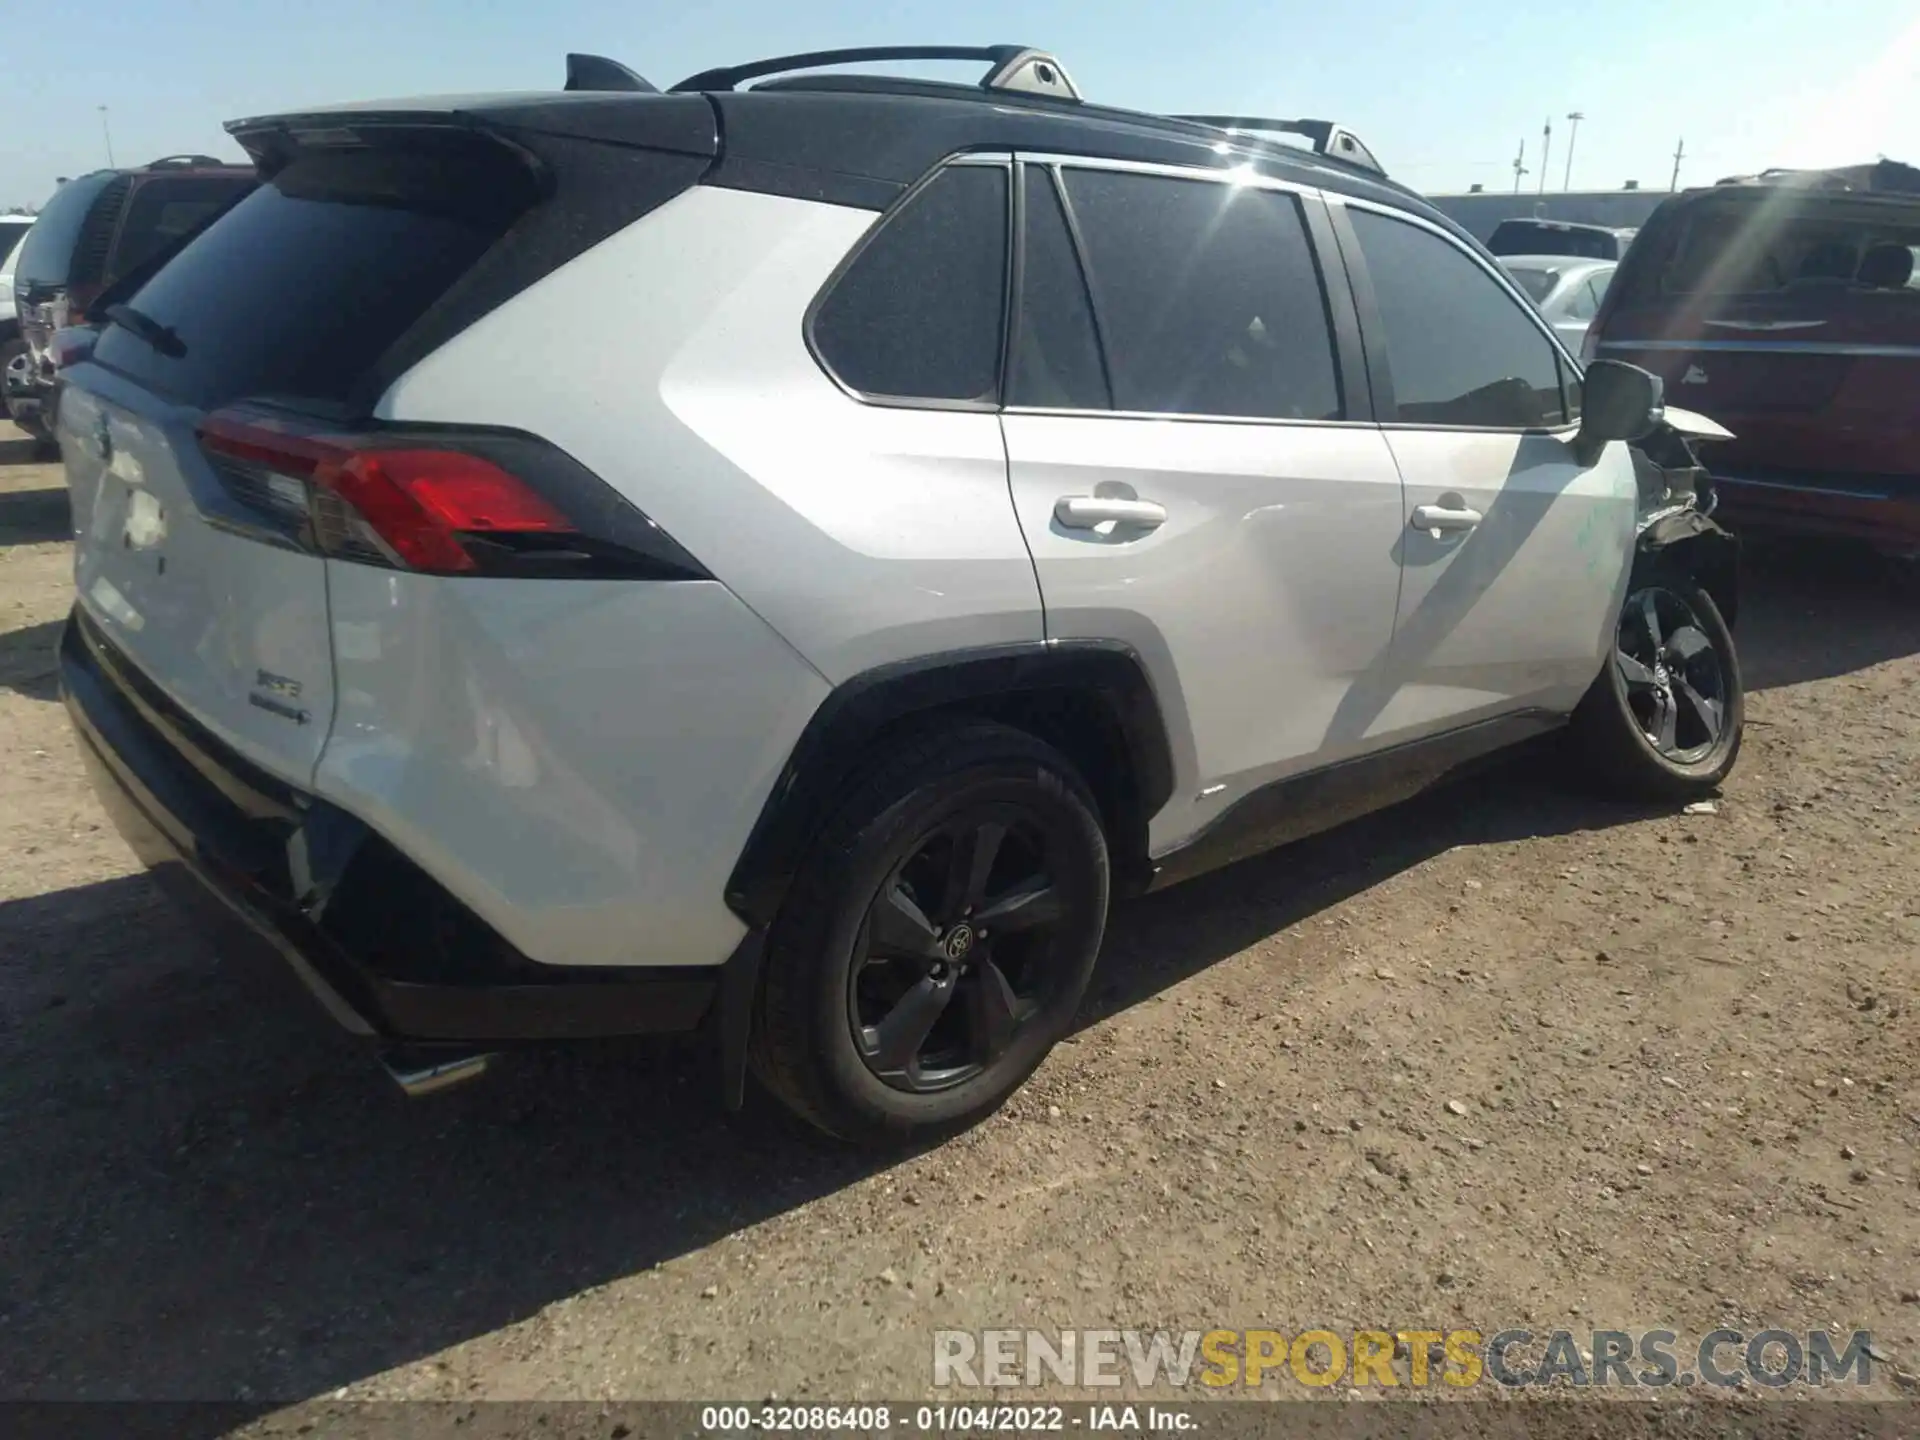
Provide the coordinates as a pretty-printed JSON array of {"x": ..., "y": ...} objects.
[
  {"x": 235, "y": 630},
  {"x": 1516, "y": 612},
  {"x": 580, "y": 761},
  {"x": 864, "y": 534},
  {"x": 1268, "y": 590}
]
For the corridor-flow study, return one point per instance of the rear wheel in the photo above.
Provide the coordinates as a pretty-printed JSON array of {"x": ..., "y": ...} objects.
[
  {"x": 938, "y": 940},
  {"x": 1665, "y": 716}
]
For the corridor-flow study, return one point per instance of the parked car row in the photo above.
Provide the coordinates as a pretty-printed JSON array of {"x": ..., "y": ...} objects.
[
  {"x": 968, "y": 505},
  {"x": 96, "y": 230}
]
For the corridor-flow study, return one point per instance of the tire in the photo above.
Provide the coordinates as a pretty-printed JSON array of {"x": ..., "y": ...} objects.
[
  {"x": 883, "y": 926},
  {"x": 1642, "y": 731}
]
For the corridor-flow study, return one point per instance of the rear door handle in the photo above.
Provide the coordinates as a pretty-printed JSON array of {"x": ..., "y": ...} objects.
[
  {"x": 1083, "y": 512},
  {"x": 1436, "y": 519}
]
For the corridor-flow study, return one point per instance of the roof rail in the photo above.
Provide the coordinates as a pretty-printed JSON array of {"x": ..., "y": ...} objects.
[
  {"x": 191, "y": 162},
  {"x": 1329, "y": 139},
  {"x": 596, "y": 72},
  {"x": 1016, "y": 68}
]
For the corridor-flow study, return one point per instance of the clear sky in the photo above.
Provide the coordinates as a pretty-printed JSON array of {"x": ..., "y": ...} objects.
[{"x": 1442, "y": 90}]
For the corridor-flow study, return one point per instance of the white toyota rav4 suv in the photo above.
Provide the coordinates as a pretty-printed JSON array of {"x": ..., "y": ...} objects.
[{"x": 782, "y": 560}]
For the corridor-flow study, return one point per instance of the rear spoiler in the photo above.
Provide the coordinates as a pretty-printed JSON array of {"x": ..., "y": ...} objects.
[{"x": 682, "y": 125}]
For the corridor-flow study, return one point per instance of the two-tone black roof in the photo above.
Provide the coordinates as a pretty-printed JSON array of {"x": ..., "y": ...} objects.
[{"x": 853, "y": 139}]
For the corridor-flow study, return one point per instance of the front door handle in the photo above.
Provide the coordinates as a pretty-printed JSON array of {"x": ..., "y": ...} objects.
[
  {"x": 1438, "y": 519},
  {"x": 1083, "y": 512}
]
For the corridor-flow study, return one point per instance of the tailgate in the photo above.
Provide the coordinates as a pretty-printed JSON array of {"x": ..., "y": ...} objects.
[
  {"x": 231, "y": 625},
  {"x": 213, "y": 437}
]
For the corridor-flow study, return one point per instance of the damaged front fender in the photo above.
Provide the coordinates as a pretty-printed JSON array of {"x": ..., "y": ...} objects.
[{"x": 1676, "y": 530}]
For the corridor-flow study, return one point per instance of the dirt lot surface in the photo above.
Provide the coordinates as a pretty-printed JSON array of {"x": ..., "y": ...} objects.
[{"x": 1502, "y": 1056}]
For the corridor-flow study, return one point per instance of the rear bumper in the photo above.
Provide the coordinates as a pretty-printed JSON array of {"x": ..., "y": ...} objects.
[
  {"x": 1883, "y": 513},
  {"x": 385, "y": 950}
]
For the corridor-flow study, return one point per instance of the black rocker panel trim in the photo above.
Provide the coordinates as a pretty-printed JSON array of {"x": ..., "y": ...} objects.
[
  {"x": 1302, "y": 805},
  {"x": 842, "y": 732}
]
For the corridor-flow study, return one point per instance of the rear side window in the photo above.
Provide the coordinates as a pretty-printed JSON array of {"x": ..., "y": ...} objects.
[
  {"x": 1056, "y": 359},
  {"x": 164, "y": 210},
  {"x": 1208, "y": 297},
  {"x": 1530, "y": 237},
  {"x": 918, "y": 313},
  {"x": 1771, "y": 248},
  {"x": 1461, "y": 349},
  {"x": 300, "y": 288},
  {"x": 1537, "y": 283},
  {"x": 46, "y": 259}
]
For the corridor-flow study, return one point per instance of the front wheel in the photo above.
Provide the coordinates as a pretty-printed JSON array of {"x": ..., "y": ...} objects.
[
  {"x": 938, "y": 939},
  {"x": 1664, "y": 718}
]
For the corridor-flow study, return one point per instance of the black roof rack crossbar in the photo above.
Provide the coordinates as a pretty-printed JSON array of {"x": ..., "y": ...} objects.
[
  {"x": 1335, "y": 141},
  {"x": 1013, "y": 67},
  {"x": 596, "y": 72}
]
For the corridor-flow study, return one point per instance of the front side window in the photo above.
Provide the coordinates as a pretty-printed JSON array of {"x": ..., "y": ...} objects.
[
  {"x": 917, "y": 315},
  {"x": 1208, "y": 297},
  {"x": 1461, "y": 349}
]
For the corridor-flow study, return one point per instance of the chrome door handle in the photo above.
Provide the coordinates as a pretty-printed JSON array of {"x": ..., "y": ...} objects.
[
  {"x": 1083, "y": 512},
  {"x": 1438, "y": 518}
]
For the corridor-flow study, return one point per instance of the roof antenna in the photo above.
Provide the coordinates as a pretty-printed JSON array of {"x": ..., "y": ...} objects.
[{"x": 596, "y": 72}]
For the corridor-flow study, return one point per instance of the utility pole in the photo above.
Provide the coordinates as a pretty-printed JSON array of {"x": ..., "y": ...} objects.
[
  {"x": 1574, "y": 117},
  {"x": 1519, "y": 164},
  {"x": 106, "y": 131},
  {"x": 1679, "y": 153},
  {"x": 1546, "y": 152}
]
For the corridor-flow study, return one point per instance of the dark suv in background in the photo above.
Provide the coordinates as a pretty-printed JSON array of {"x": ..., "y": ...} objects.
[
  {"x": 96, "y": 229},
  {"x": 1787, "y": 306}
]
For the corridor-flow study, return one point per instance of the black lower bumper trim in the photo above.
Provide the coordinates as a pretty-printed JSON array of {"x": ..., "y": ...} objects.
[{"x": 180, "y": 810}]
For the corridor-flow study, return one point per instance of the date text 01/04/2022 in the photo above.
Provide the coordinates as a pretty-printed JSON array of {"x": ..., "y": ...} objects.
[{"x": 941, "y": 1419}]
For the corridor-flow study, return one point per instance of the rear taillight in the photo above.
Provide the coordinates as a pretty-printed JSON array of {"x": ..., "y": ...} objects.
[{"x": 436, "y": 502}]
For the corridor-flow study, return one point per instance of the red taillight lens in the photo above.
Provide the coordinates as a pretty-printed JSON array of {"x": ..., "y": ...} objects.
[
  {"x": 418, "y": 501},
  {"x": 406, "y": 504}
]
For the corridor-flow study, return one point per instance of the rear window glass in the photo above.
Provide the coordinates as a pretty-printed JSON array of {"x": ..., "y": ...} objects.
[
  {"x": 47, "y": 256},
  {"x": 1529, "y": 237},
  {"x": 303, "y": 285},
  {"x": 1537, "y": 283},
  {"x": 163, "y": 211},
  {"x": 918, "y": 314},
  {"x": 1757, "y": 249}
]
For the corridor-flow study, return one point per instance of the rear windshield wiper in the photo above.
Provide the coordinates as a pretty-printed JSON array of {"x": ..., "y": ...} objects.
[{"x": 161, "y": 337}]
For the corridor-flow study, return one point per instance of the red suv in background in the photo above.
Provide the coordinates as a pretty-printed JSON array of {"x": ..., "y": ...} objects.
[
  {"x": 96, "y": 229},
  {"x": 1787, "y": 307}
]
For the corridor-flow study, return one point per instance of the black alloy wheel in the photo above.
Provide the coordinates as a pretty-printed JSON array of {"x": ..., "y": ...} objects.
[
  {"x": 958, "y": 952},
  {"x": 1675, "y": 683},
  {"x": 936, "y": 942}
]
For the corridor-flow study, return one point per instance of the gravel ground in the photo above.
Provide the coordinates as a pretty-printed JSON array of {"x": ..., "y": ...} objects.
[{"x": 1501, "y": 1056}]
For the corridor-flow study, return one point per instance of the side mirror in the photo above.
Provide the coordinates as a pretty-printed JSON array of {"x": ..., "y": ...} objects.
[{"x": 1618, "y": 402}]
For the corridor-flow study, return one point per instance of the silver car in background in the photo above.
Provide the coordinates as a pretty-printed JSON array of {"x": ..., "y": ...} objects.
[{"x": 1567, "y": 290}]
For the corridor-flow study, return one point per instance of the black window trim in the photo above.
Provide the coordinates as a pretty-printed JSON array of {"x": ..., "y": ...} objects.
[
  {"x": 1373, "y": 330},
  {"x": 1000, "y": 161},
  {"x": 1348, "y": 363}
]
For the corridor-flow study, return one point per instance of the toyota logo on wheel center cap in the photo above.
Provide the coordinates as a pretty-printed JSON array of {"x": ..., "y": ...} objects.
[{"x": 959, "y": 941}]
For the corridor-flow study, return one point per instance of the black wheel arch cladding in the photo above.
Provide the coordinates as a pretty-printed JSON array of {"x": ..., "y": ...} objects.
[{"x": 1090, "y": 699}]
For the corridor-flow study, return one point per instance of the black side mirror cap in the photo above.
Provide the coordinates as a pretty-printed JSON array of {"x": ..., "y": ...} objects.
[{"x": 1618, "y": 402}]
